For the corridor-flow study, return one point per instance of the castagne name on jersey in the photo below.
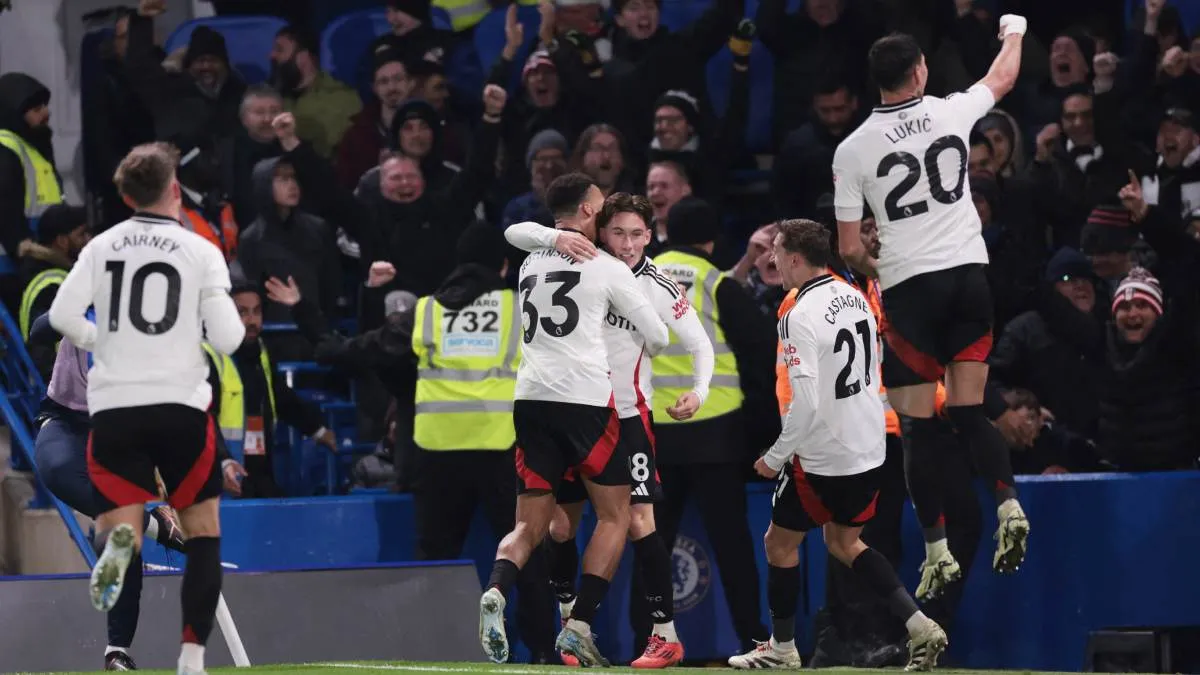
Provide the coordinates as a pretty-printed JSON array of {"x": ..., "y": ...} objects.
[
  {"x": 848, "y": 301},
  {"x": 150, "y": 240}
]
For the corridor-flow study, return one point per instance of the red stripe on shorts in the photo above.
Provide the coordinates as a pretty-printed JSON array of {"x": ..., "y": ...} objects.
[
  {"x": 185, "y": 494},
  {"x": 917, "y": 361},
  {"x": 114, "y": 488},
  {"x": 600, "y": 454},
  {"x": 977, "y": 351},
  {"x": 809, "y": 499},
  {"x": 529, "y": 478}
]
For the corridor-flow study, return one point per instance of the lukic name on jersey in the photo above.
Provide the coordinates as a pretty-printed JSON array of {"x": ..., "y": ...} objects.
[
  {"x": 922, "y": 125},
  {"x": 151, "y": 240},
  {"x": 841, "y": 302}
]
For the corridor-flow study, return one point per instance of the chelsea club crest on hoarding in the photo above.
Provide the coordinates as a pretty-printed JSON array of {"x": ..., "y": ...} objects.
[{"x": 692, "y": 573}]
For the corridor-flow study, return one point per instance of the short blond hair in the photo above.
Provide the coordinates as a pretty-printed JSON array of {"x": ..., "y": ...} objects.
[{"x": 146, "y": 172}]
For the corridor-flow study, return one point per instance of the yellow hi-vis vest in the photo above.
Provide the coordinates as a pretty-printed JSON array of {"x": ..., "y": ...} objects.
[
  {"x": 232, "y": 416},
  {"x": 673, "y": 367},
  {"x": 464, "y": 14},
  {"x": 42, "y": 189},
  {"x": 466, "y": 373},
  {"x": 45, "y": 279}
]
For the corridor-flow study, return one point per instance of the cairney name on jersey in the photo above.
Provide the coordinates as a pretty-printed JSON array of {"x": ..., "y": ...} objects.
[{"x": 150, "y": 240}]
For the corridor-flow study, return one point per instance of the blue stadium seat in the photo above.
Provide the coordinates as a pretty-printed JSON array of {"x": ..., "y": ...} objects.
[
  {"x": 677, "y": 14},
  {"x": 248, "y": 39},
  {"x": 762, "y": 77},
  {"x": 489, "y": 38},
  {"x": 344, "y": 42},
  {"x": 440, "y": 18}
]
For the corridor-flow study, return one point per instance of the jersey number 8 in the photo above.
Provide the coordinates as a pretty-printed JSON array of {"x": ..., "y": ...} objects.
[
  {"x": 896, "y": 210},
  {"x": 137, "y": 288},
  {"x": 561, "y": 298}
]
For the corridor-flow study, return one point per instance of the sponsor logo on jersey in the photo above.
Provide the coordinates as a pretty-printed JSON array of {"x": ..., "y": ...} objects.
[
  {"x": 617, "y": 321},
  {"x": 692, "y": 573},
  {"x": 680, "y": 307}
]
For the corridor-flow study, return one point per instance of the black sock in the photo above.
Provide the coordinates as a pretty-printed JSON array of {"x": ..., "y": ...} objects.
[
  {"x": 201, "y": 587},
  {"x": 880, "y": 576},
  {"x": 650, "y": 555},
  {"x": 564, "y": 565},
  {"x": 592, "y": 590},
  {"x": 923, "y": 473},
  {"x": 987, "y": 445},
  {"x": 504, "y": 576},
  {"x": 123, "y": 617},
  {"x": 783, "y": 595}
]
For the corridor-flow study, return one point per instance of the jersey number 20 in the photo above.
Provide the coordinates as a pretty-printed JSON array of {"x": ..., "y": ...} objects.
[
  {"x": 137, "y": 288},
  {"x": 843, "y": 387},
  {"x": 561, "y": 298},
  {"x": 896, "y": 210}
]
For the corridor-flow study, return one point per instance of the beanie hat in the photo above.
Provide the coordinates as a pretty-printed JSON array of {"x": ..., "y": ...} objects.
[
  {"x": 1141, "y": 285},
  {"x": 1068, "y": 263},
  {"x": 1108, "y": 230},
  {"x": 545, "y": 139},
  {"x": 684, "y": 102},
  {"x": 1085, "y": 43},
  {"x": 537, "y": 59},
  {"x": 414, "y": 109},
  {"x": 417, "y": 9},
  {"x": 205, "y": 42},
  {"x": 692, "y": 221},
  {"x": 482, "y": 244},
  {"x": 58, "y": 220},
  {"x": 384, "y": 56}
]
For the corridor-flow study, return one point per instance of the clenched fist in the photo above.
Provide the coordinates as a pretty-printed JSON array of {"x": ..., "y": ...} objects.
[{"x": 494, "y": 98}]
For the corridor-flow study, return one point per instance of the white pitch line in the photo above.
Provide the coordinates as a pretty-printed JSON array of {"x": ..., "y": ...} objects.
[{"x": 436, "y": 669}]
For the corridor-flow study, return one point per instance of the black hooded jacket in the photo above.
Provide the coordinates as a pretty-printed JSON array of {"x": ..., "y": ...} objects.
[
  {"x": 437, "y": 172},
  {"x": 301, "y": 246},
  {"x": 19, "y": 93}
]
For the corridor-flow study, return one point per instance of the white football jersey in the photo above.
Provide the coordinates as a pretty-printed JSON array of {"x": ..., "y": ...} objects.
[
  {"x": 909, "y": 161},
  {"x": 564, "y": 305},
  {"x": 835, "y": 424},
  {"x": 155, "y": 287},
  {"x": 631, "y": 371}
]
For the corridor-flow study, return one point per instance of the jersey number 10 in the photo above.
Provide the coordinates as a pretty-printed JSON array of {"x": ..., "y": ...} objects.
[
  {"x": 137, "y": 288},
  {"x": 891, "y": 203}
]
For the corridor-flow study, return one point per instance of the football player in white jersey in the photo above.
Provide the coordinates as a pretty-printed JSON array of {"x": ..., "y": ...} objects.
[
  {"x": 908, "y": 160},
  {"x": 623, "y": 226},
  {"x": 833, "y": 438},
  {"x": 565, "y": 414},
  {"x": 158, "y": 290}
]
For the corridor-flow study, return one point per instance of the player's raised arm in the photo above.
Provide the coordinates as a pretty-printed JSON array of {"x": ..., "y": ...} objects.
[
  {"x": 677, "y": 313},
  {"x": 801, "y": 356},
  {"x": 72, "y": 300},
  {"x": 222, "y": 326},
  {"x": 1002, "y": 76},
  {"x": 848, "y": 209},
  {"x": 628, "y": 300}
]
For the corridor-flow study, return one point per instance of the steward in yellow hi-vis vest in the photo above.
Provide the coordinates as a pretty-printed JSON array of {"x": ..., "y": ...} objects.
[
  {"x": 29, "y": 182},
  {"x": 248, "y": 399},
  {"x": 709, "y": 456}
]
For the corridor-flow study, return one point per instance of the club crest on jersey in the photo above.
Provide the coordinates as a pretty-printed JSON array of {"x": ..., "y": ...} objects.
[{"x": 692, "y": 573}]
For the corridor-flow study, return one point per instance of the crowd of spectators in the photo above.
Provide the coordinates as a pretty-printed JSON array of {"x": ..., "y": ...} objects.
[{"x": 1086, "y": 178}]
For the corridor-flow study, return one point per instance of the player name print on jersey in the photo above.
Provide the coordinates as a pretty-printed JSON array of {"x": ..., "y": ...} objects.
[
  {"x": 848, "y": 301},
  {"x": 908, "y": 128},
  {"x": 473, "y": 330},
  {"x": 164, "y": 244}
]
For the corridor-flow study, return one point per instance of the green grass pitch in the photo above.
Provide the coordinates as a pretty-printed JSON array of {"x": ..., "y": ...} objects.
[{"x": 411, "y": 668}]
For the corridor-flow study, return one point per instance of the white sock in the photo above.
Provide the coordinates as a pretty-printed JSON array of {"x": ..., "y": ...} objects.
[
  {"x": 581, "y": 627},
  {"x": 191, "y": 657},
  {"x": 564, "y": 609},
  {"x": 666, "y": 631},
  {"x": 110, "y": 649},
  {"x": 916, "y": 622},
  {"x": 789, "y": 646},
  {"x": 935, "y": 550},
  {"x": 152, "y": 528}
]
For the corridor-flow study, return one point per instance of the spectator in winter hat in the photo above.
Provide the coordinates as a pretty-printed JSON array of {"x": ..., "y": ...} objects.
[
  {"x": 1150, "y": 395},
  {"x": 676, "y": 122},
  {"x": 417, "y": 132},
  {"x": 207, "y": 59},
  {"x": 545, "y": 160},
  {"x": 1008, "y": 152},
  {"x": 1107, "y": 240},
  {"x": 540, "y": 79}
]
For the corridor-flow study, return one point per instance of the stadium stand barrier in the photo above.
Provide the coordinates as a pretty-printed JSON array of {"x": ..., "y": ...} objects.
[{"x": 23, "y": 392}]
